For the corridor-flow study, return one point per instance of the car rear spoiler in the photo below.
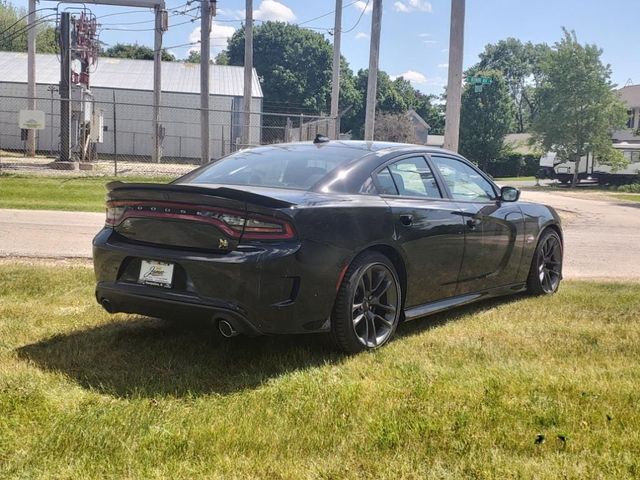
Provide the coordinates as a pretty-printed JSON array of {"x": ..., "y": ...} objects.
[{"x": 119, "y": 189}]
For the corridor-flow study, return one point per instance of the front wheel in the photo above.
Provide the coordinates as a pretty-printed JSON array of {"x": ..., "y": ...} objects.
[
  {"x": 546, "y": 267},
  {"x": 367, "y": 309}
]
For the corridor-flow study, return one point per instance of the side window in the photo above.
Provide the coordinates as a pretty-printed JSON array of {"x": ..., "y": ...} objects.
[
  {"x": 385, "y": 183},
  {"x": 464, "y": 182},
  {"x": 410, "y": 177}
]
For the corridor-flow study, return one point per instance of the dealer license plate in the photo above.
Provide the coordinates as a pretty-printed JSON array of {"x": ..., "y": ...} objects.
[{"x": 159, "y": 274}]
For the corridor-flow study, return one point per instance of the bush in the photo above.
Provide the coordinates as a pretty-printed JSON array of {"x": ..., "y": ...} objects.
[
  {"x": 394, "y": 127},
  {"x": 514, "y": 165},
  {"x": 632, "y": 188}
]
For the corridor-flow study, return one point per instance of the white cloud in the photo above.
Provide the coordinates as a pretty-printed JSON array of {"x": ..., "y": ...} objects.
[
  {"x": 445, "y": 50},
  {"x": 362, "y": 6},
  {"x": 361, "y": 36},
  {"x": 406, "y": 6},
  {"x": 429, "y": 42},
  {"x": 274, "y": 11},
  {"x": 400, "y": 7},
  {"x": 425, "y": 35},
  {"x": 220, "y": 33},
  {"x": 412, "y": 76},
  {"x": 443, "y": 65}
]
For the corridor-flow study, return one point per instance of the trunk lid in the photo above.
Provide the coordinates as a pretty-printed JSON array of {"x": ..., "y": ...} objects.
[{"x": 196, "y": 217}]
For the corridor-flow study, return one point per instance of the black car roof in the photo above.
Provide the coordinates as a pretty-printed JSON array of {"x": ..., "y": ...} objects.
[{"x": 364, "y": 146}]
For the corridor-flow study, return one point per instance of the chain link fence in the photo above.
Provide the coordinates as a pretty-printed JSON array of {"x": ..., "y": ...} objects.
[{"x": 116, "y": 138}]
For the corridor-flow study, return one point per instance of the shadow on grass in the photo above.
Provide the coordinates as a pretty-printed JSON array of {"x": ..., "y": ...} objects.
[{"x": 145, "y": 357}]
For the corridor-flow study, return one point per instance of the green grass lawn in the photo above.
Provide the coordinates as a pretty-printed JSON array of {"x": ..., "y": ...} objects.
[
  {"x": 85, "y": 194},
  {"x": 632, "y": 197},
  {"x": 515, "y": 388},
  {"x": 514, "y": 179}
]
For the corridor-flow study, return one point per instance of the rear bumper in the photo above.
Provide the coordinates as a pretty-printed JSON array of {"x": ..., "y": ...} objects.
[
  {"x": 155, "y": 303},
  {"x": 260, "y": 289}
]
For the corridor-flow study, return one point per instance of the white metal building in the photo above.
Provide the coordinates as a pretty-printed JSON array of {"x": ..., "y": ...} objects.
[{"x": 125, "y": 87}]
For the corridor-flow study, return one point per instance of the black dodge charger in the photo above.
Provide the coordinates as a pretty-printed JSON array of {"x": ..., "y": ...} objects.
[{"x": 343, "y": 237}]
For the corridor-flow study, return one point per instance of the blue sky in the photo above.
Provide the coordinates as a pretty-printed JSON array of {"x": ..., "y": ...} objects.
[{"x": 415, "y": 33}]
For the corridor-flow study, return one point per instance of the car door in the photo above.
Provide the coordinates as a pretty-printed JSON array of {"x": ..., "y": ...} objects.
[
  {"x": 427, "y": 227},
  {"x": 494, "y": 230}
]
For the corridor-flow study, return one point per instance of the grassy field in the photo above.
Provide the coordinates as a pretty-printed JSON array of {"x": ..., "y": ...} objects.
[
  {"x": 84, "y": 194},
  {"x": 514, "y": 179},
  {"x": 513, "y": 388},
  {"x": 632, "y": 197}
]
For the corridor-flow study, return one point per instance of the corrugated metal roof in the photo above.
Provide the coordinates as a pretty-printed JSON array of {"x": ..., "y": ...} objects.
[{"x": 132, "y": 74}]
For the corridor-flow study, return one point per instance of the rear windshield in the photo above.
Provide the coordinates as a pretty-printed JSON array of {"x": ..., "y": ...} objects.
[{"x": 292, "y": 166}]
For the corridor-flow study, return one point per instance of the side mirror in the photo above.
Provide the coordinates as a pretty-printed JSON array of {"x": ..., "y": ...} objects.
[{"x": 509, "y": 194}]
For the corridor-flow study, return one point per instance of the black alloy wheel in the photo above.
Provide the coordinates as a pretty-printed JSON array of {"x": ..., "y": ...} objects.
[
  {"x": 546, "y": 268},
  {"x": 368, "y": 304}
]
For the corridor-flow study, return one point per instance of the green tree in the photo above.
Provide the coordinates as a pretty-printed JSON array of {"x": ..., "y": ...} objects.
[
  {"x": 194, "y": 57},
  {"x": 137, "y": 52},
  {"x": 14, "y": 30},
  {"x": 392, "y": 97},
  {"x": 578, "y": 107},
  {"x": 521, "y": 66},
  {"x": 485, "y": 119},
  {"x": 294, "y": 64}
]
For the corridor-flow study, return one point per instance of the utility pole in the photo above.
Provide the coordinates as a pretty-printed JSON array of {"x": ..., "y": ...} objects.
[
  {"x": 372, "y": 83},
  {"x": 65, "y": 87},
  {"x": 31, "y": 74},
  {"x": 335, "y": 80},
  {"x": 248, "y": 73},
  {"x": 205, "y": 54},
  {"x": 156, "y": 154},
  {"x": 454, "y": 82}
]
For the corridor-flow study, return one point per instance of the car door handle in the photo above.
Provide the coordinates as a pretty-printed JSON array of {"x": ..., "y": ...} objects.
[
  {"x": 406, "y": 220},
  {"x": 472, "y": 223}
]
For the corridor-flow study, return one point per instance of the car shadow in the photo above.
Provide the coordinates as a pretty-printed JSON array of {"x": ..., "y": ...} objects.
[{"x": 146, "y": 357}]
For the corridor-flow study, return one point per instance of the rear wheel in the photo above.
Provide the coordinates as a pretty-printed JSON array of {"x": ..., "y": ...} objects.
[
  {"x": 546, "y": 267},
  {"x": 367, "y": 309}
]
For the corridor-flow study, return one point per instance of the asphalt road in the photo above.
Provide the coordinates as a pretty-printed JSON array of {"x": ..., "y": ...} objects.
[
  {"x": 47, "y": 234},
  {"x": 602, "y": 236}
]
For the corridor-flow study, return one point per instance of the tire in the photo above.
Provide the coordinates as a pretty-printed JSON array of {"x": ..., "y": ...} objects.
[
  {"x": 545, "y": 273},
  {"x": 368, "y": 305}
]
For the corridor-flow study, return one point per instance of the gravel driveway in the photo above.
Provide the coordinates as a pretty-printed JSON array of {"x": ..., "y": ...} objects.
[{"x": 602, "y": 237}]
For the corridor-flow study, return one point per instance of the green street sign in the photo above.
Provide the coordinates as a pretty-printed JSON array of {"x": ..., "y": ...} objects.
[
  {"x": 477, "y": 88},
  {"x": 480, "y": 80}
]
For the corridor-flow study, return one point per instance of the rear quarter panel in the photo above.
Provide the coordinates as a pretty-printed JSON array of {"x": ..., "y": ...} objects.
[
  {"x": 331, "y": 234},
  {"x": 537, "y": 218}
]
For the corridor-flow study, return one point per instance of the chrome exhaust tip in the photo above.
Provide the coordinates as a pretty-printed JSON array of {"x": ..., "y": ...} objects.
[
  {"x": 106, "y": 304},
  {"x": 226, "y": 329}
]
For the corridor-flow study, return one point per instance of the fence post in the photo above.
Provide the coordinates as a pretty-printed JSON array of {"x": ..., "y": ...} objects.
[
  {"x": 287, "y": 130},
  {"x": 115, "y": 137},
  {"x": 222, "y": 140}
]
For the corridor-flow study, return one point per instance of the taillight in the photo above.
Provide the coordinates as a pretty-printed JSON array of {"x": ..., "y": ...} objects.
[
  {"x": 234, "y": 224},
  {"x": 263, "y": 228}
]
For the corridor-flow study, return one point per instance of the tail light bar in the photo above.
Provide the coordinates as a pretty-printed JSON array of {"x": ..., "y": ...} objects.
[{"x": 233, "y": 223}]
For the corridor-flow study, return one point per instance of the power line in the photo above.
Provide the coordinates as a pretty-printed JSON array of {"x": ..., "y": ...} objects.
[
  {"x": 176, "y": 14},
  {"x": 144, "y": 29},
  {"x": 359, "y": 18},
  {"x": 22, "y": 18},
  {"x": 324, "y": 15},
  {"x": 13, "y": 35}
]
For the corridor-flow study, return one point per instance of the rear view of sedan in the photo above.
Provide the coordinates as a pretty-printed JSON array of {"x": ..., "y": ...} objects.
[{"x": 346, "y": 238}]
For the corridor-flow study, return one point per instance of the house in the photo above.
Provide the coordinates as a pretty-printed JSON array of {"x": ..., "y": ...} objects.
[
  {"x": 630, "y": 95},
  {"x": 122, "y": 90}
]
